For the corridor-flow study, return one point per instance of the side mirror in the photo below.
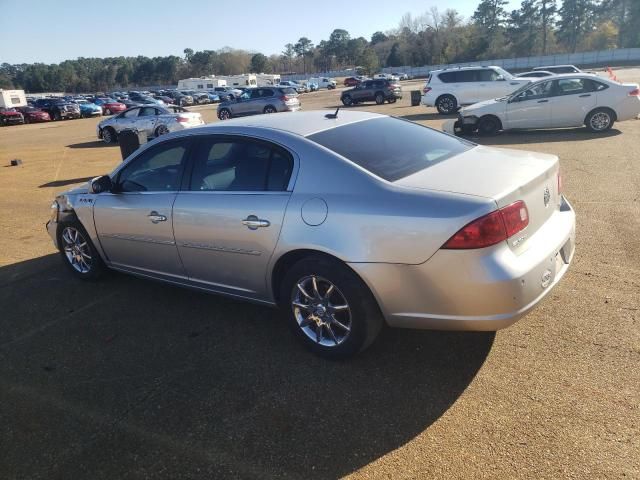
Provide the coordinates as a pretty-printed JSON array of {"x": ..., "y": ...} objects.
[{"x": 101, "y": 184}]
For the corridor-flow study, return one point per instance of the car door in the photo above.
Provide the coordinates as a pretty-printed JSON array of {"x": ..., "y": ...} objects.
[
  {"x": 134, "y": 221},
  {"x": 467, "y": 87},
  {"x": 573, "y": 99},
  {"x": 530, "y": 108},
  {"x": 359, "y": 92},
  {"x": 147, "y": 120},
  {"x": 228, "y": 221},
  {"x": 126, "y": 119}
]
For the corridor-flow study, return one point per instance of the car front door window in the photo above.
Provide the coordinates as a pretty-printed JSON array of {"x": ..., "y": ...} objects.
[{"x": 155, "y": 170}]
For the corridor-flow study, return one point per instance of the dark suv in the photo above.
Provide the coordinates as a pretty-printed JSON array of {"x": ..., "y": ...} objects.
[
  {"x": 372, "y": 90},
  {"x": 58, "y": 109}
]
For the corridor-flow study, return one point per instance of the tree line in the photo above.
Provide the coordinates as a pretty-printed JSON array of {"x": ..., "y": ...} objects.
[{"x": 538, "y": 27}]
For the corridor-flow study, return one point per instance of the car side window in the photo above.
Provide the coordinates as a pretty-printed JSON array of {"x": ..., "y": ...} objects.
[
  {"x": 240, "y": 165},
  {"x": 572, "y": 86},
  {"x": 536, "y": 92},
  {"x": 255, "y": 93},
  {"x": 130, "y": 113},
  {"x": 597, "y": 86},
  {"x": 488, "y": 75},
  {"x": 158, "y": 169},
  {"x": 266, "y": 92},
  {"x": 147, "y": 112}
]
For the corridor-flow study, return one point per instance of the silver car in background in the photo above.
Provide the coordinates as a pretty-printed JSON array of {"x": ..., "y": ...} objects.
[
  {"x": 154, "y": 120},
  {"x": 255, "y": 101},
  {"x": 346, "y": 221}
]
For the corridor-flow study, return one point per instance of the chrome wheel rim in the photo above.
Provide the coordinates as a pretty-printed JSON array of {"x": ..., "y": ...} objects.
[
  {"x": 76, "y": 249},
  {"x": 224, "y": 115},
  {"x": 106, "y": 136},
  {"x": 347, "y": 100},
  {"x": 162, "y": 130},
  {"x": 321, "y": 310},
  {"x": 269, "y": 110},
  {"x": 446, "y": 105},
  {"x": 600, "y": 121}
]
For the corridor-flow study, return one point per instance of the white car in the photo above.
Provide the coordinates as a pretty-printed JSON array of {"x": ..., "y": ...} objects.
[
  {"x": 569, "y": 100},
  {"x": 448, "y": 89},
  {"x": 536, "y": 74},
  {"x": 324, "y": 82}
]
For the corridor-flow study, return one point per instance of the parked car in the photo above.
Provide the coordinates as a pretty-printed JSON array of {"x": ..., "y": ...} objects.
[
  {"x": 401, "y": 76},
  {"x": 89, "y": 109},
  {"x": 10, "y": 116},
  {"x": 142, "y": 99},
  {"x": 227, "y": 93},
  {"x": 568, "y": 100},
  {"x": 154, "y": 120},
  {"x": 109, "y": 105},
  {"x": 559, "y": 69},
  {"x": 260, "y": 100},
  {"x": 448, "y": 89},
  {"x": 324, "y": 82},
  {"x": 345, "y": 221},
  {"x": 536, "y": 74},
  {"x": 34, "y": 115},
  {"x": 180, "y": 98},
  {"x": 379, "y": 90},
  {"x": 298, "y": 87},
  {"x": 58, "y": 109},
  {"x": 351, "y": 81},
  {"x": 166, "y": 99}
]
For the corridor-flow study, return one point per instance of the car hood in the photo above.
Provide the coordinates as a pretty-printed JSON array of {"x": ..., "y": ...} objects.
[{"x": 496, "y": 105}]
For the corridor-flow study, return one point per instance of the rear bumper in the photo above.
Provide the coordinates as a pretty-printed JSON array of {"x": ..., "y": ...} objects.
[{"x": 484, "y": 290}]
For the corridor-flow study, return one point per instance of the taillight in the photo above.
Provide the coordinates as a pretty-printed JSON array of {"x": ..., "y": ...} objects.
[
  {"x": 492, "y": 228},
  {"x": 182, "y": 119},
  {"x": 426, "y": 89},
  {"x": 635, "y": 93}
]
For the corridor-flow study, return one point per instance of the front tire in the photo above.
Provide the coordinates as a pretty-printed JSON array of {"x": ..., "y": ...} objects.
[
  {"x": 224, "y": 114},
  {"x": 77, "y": 251},
  {"x": 446, "y": 104},
  {"x": 379, "y": 98},
  {"x": 489, "y": 125},
  {"x": 108, "y": 135},
  {"x": 600, "y": 120},
  {"x": 329, "y": 308},
  {"x": 347, "y": 101}
]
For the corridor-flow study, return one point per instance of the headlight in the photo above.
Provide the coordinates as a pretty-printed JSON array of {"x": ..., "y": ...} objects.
[{"x": 54, "y": 211}]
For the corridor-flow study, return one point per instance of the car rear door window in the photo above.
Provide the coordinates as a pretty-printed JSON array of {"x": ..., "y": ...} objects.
[
  {"x": 393, "y": 149},
  {"x": 232, "y": 164},
  {"x": 147, "y": 112},
  {"x": 572, "y": 86}
]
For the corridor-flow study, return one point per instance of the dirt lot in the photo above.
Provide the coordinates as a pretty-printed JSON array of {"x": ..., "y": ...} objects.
[{"x": 131, "y": 379}]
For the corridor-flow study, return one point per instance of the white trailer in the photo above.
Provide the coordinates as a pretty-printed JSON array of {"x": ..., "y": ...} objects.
[
  {"x": 12, "y": 98},
  {"x": 201, "y": 83},
  {"x": 244, "y": 80},
  {"x": 267, "y": 80}
]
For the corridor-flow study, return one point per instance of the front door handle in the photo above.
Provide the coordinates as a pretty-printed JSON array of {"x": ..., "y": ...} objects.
[
  {"x": 155, "y": 217},
  {"x": 543, "y": 101},
  {"x": 585, "y": 95},
  {"x": 253, "y": 222}
]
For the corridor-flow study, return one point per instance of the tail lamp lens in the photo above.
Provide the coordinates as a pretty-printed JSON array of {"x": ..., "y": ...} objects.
[{"x": 491, "y": 228}]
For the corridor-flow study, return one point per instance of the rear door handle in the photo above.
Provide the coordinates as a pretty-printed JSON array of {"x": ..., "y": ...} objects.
[
  {"x": 253, "y": 222},
  {"x": 543, "y": 101},
  {"x": 155, "y": 217},
  {"x": 585, "y": 95}
]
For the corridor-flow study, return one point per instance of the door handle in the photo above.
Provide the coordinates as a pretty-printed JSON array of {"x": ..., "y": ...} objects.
[
  {"x": 585, "y": 95},
  {"x": 253, "y": 222},
  {"x": 543, "y": 101},
  {"x": 155, "y": 217}
]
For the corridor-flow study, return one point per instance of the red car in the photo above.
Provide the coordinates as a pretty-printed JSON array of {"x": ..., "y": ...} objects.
[
  {"x": 109, "y": 105},
  {"x": 351, "y": 82},
  {"x": 10, "y": 116},
  {"x": 34, "y": 115}
]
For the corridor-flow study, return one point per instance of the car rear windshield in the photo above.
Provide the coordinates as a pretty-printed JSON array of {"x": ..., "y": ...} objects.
[{"x": 389, "y": 147}]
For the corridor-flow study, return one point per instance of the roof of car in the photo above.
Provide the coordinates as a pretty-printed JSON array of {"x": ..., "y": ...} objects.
[
  {"x": 469, "y": 67},
  {"x": 554, "y": 66},
  {"x": 300, "y": 123}
]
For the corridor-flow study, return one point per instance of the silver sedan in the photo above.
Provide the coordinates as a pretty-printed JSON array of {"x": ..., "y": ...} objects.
[
  {"x": 154, "y": 120},
  {"x": 346, "y": 222}
]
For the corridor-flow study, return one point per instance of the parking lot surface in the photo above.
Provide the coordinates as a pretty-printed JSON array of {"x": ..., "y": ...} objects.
[{"x": 126, "y": 378}]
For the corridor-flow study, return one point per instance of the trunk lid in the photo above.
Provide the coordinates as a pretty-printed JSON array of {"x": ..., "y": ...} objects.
[{"x": 503, "y": 175}]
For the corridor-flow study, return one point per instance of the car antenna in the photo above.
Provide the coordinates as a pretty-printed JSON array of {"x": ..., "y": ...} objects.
[{"x": 333, "y": 115}]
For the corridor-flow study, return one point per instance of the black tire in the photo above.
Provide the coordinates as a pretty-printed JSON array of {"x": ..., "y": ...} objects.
[
  {"x": 347, "y": 100},
  {"x": 224, "y": 114},
  {"x": 489, "y": 125},
  {"x": 161, "y": 130},
  {"x": 446, "y": 104},
  {"x": 364, "y": 317},
  {"x": 269, "y": 109},
  {"x": 96, "y": 267},
  {"x": 379, "y": 98},
  {"x": 600, "y": 120},
  {"x": 109, "y": 135},
  {"x": 107, "y": 112},
  {"x": 57, "y": 116}
]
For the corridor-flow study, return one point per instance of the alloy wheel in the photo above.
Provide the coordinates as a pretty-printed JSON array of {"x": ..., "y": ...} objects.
[
  {"x": 321, "y": 310},
  {"x": 600, "y": 121},
  {"x": 76, "y": 250}
]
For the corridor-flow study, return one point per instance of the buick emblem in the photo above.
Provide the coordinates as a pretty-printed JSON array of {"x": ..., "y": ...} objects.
[{"x": 547, "y": 196}]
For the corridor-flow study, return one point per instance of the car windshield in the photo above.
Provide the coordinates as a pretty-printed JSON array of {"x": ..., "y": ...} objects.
[{"x": 393, "y": 149}]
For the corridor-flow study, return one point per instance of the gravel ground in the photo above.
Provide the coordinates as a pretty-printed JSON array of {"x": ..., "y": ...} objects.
[{"x": 126, "y": 378}]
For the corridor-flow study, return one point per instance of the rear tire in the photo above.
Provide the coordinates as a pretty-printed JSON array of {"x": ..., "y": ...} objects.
[
  {"x": 347, "y": 100},
  {"x": 446, "y": 104},
  {"x": 600, "y": 120},
  {"x": 78, "y": 252},
  {"x": 161, "y": 130},
  {"x": 313, "y": 315},
  {"x": 269, "y": 109}
]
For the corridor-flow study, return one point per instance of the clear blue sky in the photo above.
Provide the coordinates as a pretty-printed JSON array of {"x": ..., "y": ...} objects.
[{"x": 50, "y": 31}]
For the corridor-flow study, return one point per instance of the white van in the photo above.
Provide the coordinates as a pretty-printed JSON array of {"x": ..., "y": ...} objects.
[{"x": 324, "y": 82}]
